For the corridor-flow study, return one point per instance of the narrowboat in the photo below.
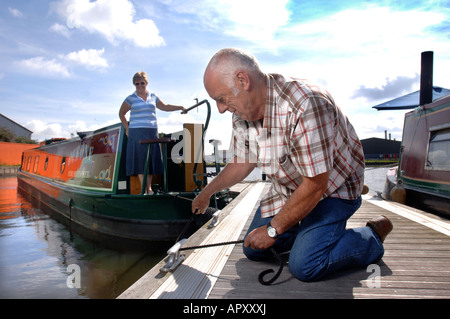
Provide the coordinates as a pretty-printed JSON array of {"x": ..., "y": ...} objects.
[
  {"x": 423, "y": 174},
  {"x": 422, "y": 178},
  {"x": 83, "y": 179}
]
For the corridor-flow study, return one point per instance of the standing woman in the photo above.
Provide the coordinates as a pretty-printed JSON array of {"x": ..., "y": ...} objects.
[{"x": 142, "y": 106}]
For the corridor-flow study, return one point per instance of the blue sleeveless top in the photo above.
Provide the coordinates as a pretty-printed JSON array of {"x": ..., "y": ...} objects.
[{"x": 142, "y": 113}]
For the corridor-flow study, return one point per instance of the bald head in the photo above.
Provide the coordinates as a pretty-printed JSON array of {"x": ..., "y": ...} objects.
[
  {"x": 234, "y": 80},
  {"x": 227, "y": 62}
]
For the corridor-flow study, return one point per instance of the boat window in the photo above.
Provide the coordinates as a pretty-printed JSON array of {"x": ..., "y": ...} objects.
[
  {"x": 438, "y": 157},
  {"x": 35, "y": 165},
  {"x": 63, "y": 164},
  {"x": 28, "y": 163},
  {"x": 46, "y": 163}
]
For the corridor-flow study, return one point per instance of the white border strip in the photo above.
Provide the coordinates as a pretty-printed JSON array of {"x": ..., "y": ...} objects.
[{"x": 417, "y": 217}]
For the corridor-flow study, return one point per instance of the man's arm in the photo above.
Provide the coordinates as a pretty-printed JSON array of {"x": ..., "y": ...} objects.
[
  {"x": 232, "y": 173},
  {"x": 301, "y": 203}
]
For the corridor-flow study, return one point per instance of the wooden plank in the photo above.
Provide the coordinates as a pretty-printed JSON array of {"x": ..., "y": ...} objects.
[
  {"x": 416, "y": 264},
  {"x": 197, "y": 275},
  {"x": 153, "y": 279},
  {"x": 413, "y": 215}
]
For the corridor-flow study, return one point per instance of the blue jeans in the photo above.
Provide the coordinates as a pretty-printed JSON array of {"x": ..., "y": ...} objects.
[{"x": 320, "y": 245}]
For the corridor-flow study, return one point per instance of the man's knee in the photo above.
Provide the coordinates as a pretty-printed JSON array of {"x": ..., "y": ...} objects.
[{"x": 305, "y": 271}]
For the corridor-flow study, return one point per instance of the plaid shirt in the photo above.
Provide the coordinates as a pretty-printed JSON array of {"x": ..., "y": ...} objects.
[{"x": 303, "y": 134}]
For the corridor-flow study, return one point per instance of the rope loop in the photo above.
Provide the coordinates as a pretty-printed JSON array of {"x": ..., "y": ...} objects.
[{"x": 268, "y": 271}]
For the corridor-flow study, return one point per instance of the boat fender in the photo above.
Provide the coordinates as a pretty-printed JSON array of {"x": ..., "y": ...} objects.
[
  {"x": 365, "y": 190},
  {"x": 398, "y": 194}
]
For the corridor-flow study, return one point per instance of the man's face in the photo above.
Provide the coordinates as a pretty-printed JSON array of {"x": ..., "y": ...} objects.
[{"x": 234, "y": 100}]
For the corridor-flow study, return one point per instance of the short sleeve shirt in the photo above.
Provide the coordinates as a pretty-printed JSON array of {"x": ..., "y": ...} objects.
[
  {"x": 303, "y": 133},
  {"x": 142, "y": 113}
]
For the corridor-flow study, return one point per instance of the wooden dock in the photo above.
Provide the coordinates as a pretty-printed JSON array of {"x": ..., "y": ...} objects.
[{"x": 416, "y": 263}]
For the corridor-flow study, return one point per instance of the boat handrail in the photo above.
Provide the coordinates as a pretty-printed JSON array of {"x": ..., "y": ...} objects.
[
  {"x": 166, "y": 140},
  {"x": 163, "y": 141},
  {"x": 208, "y": 116}
]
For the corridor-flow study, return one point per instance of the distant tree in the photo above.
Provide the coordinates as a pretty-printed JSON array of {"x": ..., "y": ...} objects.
[
  {"x": 25, "y": 140},
  {"x": 6, "y": 135}
]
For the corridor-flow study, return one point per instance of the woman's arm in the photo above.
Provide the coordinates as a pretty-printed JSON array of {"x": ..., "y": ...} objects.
[
  {"x": 169, "y": 107},
  {"x": 124, "y": 110}
]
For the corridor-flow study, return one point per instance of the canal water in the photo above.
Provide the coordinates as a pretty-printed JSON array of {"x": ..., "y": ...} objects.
[{"x": 41, "y": 258}]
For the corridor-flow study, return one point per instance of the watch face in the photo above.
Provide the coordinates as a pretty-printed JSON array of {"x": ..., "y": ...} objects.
[{"x": 272, "y": 232}]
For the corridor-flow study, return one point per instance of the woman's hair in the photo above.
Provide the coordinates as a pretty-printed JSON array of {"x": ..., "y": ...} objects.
[{"x": 140, "y": 75}]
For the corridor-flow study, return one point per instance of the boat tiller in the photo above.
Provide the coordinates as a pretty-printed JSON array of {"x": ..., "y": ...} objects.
[{"x": 174, "y": 258}]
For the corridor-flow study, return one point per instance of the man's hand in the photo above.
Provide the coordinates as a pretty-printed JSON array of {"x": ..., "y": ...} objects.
[
  {"x": 259, "y": 239},
  {"x": 231, "y": 174},
  {"x": 200, "y": 203}
]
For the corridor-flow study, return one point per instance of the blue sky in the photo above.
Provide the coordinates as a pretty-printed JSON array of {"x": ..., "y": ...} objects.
[{"x": 67, "y": 65}]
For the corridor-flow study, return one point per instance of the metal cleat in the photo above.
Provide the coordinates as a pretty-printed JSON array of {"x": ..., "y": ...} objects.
[
  {"x": 215, "y": 219},
  {"x": 174, "y": 258}
]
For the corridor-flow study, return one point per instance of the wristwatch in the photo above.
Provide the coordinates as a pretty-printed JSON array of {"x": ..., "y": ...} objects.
[{"x": 272, "y": 232}]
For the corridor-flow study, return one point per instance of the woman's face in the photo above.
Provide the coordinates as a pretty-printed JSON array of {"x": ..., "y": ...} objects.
[{"x": 141, "y": 85}]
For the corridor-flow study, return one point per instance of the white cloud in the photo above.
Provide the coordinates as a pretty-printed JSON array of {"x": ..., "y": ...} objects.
[
  {"x": 61, "y": 29},
  {"x": 370, "y": 47},
  {"x": 113, "y": 19},
  {"x": 173, "y": 121},
  {"x": 362, "y": 47},
  {"x": 371, "y": 50},
  {"x": 366, "y": 126},
  {"x": 371, "y": 30},
  {"x": 92, "y": 59},
  {"x": 42, "y": 130},
  {"x": 41, "y": 66},
  {"x": 252, "y": 20},
  {"x": 15, "y": 12},
  {"x": 392, "y": 89},
  {"x": 81, "y": 126}
]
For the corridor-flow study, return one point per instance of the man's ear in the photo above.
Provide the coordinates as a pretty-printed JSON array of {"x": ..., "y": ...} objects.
[{"x": 243, "y": 80}]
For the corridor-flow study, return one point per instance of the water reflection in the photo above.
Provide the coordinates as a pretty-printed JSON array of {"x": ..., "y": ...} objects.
[{"x": 35, "y": 251}]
